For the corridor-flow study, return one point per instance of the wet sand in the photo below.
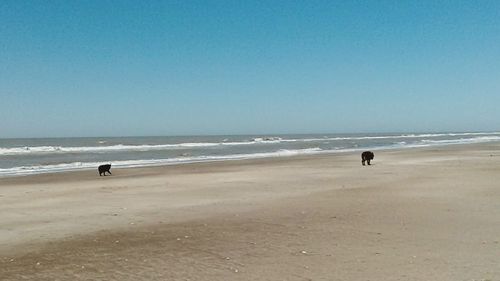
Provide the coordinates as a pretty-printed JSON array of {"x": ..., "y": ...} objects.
[{"x": 415, "y": 214}]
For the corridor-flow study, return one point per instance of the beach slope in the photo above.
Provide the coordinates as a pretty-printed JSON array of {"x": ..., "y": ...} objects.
[{"x": 415, "y": 214}]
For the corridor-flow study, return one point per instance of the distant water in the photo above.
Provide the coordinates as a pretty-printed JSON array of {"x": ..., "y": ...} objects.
[{"x": 34, "y": 156}]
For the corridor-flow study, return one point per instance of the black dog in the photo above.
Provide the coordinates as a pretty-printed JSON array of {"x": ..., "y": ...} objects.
[
  {"x": 367, "y": 156},
  {"x": 103, "y": 169}
]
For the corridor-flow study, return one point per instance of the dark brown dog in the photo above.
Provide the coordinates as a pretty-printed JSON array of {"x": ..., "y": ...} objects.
[
  {"x": 103, "y": 169},
  {"x": 367, "y": 156}
]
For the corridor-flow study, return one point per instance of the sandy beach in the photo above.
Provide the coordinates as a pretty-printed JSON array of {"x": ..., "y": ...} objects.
[{"x": 415, "y": 214}]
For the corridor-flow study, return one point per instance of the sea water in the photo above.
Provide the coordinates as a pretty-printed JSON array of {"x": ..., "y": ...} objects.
[{"x": 37, "y": 155}]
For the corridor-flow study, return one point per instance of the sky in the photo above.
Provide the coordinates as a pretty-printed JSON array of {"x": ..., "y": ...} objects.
[{"x": 126, "y": 68}]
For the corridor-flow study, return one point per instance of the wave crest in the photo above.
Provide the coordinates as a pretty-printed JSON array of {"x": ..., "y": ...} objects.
[
  {"x": 63, "y": 167},
  {"x": 255, "y": 141}
]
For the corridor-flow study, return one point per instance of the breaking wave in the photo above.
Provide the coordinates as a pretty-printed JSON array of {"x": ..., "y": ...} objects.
[
  {"x": 27, "y": 150},
  {"x": 48, "y": 159},
  {"x": 63, "y": 167}
]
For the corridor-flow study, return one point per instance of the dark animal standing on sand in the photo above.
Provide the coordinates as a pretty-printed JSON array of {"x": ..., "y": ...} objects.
[
  {"x": 103, "y": 169},
  {"x": 367, "y": 156}
]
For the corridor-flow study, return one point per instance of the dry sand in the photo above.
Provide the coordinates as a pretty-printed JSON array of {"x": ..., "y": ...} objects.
[{"x": 416, "y": 214}]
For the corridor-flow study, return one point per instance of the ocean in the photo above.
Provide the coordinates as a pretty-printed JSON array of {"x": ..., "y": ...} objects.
[{"x": 47, "y": 155}]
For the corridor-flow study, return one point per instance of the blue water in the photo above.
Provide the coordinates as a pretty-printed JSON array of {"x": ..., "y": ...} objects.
[{"x": 32, "y": 156}]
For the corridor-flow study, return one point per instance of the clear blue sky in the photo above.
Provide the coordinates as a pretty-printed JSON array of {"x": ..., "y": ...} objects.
[{"x": 111, "y": 68}]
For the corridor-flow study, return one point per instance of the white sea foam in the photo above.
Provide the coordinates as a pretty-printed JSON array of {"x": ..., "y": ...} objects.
[
  {"x": 38, "y": 169},
  {"x": 121, "y": 147},
  {"x": 256, "y": 141},
  {"x": 406, "y": 136},
  {"x": 462, "y": 140}
]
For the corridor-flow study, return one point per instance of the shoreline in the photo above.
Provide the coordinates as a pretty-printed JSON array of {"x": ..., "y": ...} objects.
[
  {"x": 71, "y": 157},
  {"x": 265, "y": 158},
  {"x": 415, "y": 214}
]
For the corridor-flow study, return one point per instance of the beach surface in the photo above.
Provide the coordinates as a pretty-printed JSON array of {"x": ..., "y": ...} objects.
[{"x": 415, "y": 214}]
